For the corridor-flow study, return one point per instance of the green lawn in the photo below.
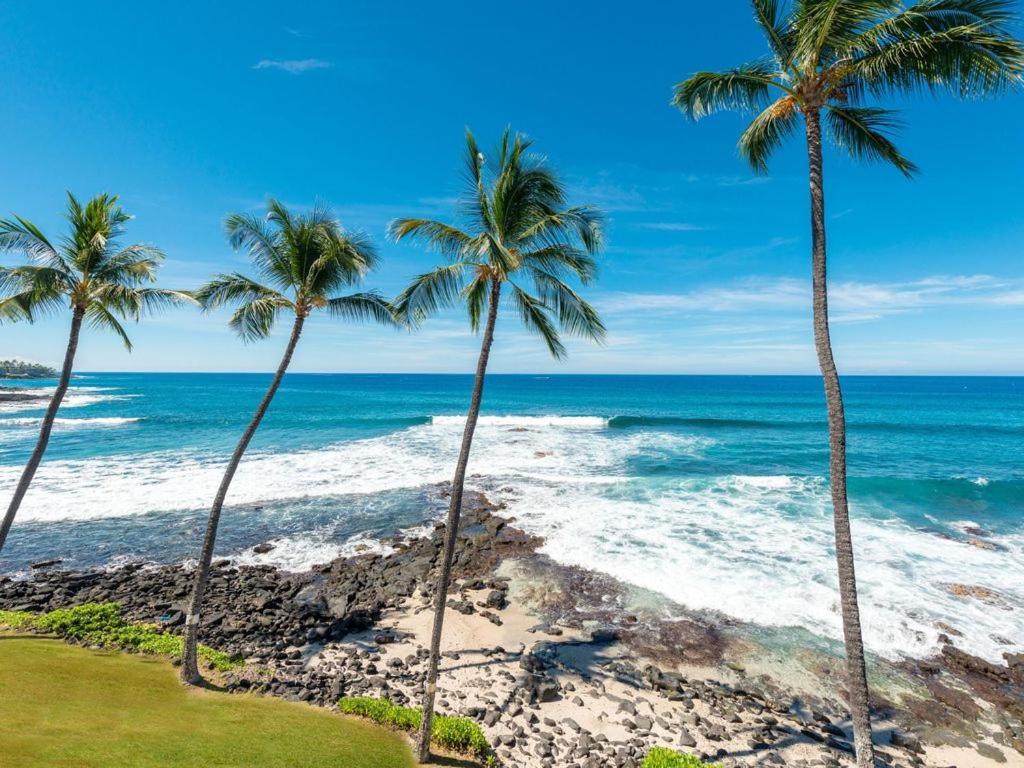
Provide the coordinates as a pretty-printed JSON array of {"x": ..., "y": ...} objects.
[{"x": 63, "y": 705}]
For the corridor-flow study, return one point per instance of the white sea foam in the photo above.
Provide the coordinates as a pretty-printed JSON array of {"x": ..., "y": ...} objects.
[
  {"x": 99, "y": 421},
  {"x": 758, "y": 548},
  {"x": 300, "y": 553},
  {"x": 76, "y": 397},
  {"x": 578, "y": 422}
]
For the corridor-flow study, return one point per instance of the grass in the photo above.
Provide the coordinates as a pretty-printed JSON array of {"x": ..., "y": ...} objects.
[
  {"x": 102, "y": 624},
  {"x": 64, "y": 706},
  {"x": 459, "y": 734},
  {"x": 660, "y": 757}
]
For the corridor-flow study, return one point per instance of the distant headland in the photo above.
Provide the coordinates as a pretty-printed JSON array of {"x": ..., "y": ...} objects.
[{"x": 19, "y": 369}]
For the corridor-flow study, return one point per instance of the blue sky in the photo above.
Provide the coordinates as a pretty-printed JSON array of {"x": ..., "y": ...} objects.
[{"x": 193, "y": 110}]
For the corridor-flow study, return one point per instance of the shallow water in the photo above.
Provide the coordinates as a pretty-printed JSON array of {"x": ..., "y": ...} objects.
[{"x": 708, "y": 490}]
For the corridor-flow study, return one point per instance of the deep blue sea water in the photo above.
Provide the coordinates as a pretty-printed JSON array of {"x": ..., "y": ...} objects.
[{"x": 709, "y": 490}]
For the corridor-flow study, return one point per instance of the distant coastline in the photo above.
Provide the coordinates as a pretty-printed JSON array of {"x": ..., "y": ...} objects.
[{"x": 19, "y": 369}]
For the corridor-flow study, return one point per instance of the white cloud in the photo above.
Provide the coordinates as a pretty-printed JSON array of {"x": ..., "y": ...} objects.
[
  {"x": 671, "y": 226},
  {"x": 292, "y": 66},
  {"x": 853, "y": 301}
]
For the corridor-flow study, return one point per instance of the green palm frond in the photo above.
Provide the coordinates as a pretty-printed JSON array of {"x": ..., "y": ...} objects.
[
  {"x": 231, "y": 289},
  {"x": 254, "y": 234},
  {"x": 534, "y": 315},
  {"x": 363, "y": 307},
  {"x": 575, "y": 315},
  {"x": 745, "y": 89},
  {"x": 134, "y": 265},
  {"x": 16, "y": 308},
  {"x": 18, "y": 234},
  {"x": 447, "y": 240},
  {"x": 767, "y": 132},
  {"x": 581, "y": 223},
  {"x": 475, "y": 295},
  {"x": 824, "y": 27},
  {"x": 561, "y": 259},
  {"x": 100, "y": 317},
  {"x": 255, "y": 319},
  {"x": 132, "y": 302},
  {"x": 779, "y": 34},
  {"x": 430, "y": 292},
  {"x": 963, "y": 45},
  {"x": 861, "y": 132}
]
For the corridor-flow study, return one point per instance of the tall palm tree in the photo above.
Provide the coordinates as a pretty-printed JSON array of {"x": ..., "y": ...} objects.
[
  {"x": 304, "y": 259},
  {"x": 517, "y": 226},
  {"x": 88, "y": 271},
  {"x": 831, "y": 56}
]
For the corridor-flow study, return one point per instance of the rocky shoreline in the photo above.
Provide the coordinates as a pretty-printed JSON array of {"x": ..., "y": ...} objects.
[{"x": 551, "y": 660}]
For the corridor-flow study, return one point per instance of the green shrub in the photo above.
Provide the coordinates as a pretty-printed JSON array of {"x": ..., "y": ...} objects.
[
  {"x": 459, "y": 734},
  {"x": 661, "y": 757},
  {"x": 102, "y": 624},
  {"x": 16, "y": 619}
]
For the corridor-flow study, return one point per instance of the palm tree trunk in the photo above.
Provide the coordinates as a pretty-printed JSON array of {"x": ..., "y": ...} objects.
[
  {"x": 44, "y": 431},
  {"x": 452, "y": 525},
  {"x": 857, "y": 682},
  {"x": 189, "y": 657}
]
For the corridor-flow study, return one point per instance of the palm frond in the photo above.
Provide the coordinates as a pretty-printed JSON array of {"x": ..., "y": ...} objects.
[
  {"x": 861, "y": 131},
  {"x": 767, "y": 132},
  {"x": 255, "y": 319},
  {"x": 363, "y": 307},
  {"x": 19, "y": 234},
  {"x": 16, "y": 308},
  {"x": 823, "y": 28},
  {"x": 98, "y": 316},
  {"x": 560, "y": 259},
  {"x": 963, "y": 45},
  {"x": 534, "y": 314},
  {"x": 475, "y": 295},
  {"x": 232, "y": 289},
  {"x": 131, "y": 265},
  {"x": 744, "y": 89},
  {"x": 134, "y": 302},
  {"x": 39, "y": 290},
  {"x": 430, "y": 292},
  {"x": 576, "y": 316},
  {"x": 447, "y": 240},
  {"x": 583, "y": 224},
  {"x": 254, "y": 234},
  {"x": 779, "y": 34}
]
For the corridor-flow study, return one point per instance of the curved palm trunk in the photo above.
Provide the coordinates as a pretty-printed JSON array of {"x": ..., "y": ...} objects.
[
  {"x": 44, "y": 432},
  {"x": 452, "y": 525},
  {"x": 189, "y": 658},
  {"x": 855, "y": 667}
]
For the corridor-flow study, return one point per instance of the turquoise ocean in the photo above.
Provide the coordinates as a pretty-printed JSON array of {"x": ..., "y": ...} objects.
[{"x": 710, "y": 491}]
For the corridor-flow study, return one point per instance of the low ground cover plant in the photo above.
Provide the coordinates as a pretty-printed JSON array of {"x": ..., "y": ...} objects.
[
  {"x": 661, "y": 757},
  {"x": 102, "y": 624},
  {"x": 459, "y": 734}
]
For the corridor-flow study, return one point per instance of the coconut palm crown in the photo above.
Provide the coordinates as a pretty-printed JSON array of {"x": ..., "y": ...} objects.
[
  {"x": 89, "y": 271},
  {"x": 103, "y": 281},
  {"x": 517, "y": 227},
  {"x": 302, "y": 260},
  {"x": 834, "y": 55}
]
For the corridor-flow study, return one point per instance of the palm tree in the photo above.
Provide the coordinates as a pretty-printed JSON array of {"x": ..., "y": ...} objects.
[
  {"x": 304, "y": 258},
  {"x": 517, "y": 226},
  {"x": 89, "y": 272},
  {"x": 830, "y": 56}
]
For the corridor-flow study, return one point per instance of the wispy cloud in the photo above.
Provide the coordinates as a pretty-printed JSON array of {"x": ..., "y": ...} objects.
[
  {"x": 742, "y": 181},
  {"x": 292, "y": 66},
  {"x": 671, "y": 226},
  {"x": 853, "y": 301}
]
